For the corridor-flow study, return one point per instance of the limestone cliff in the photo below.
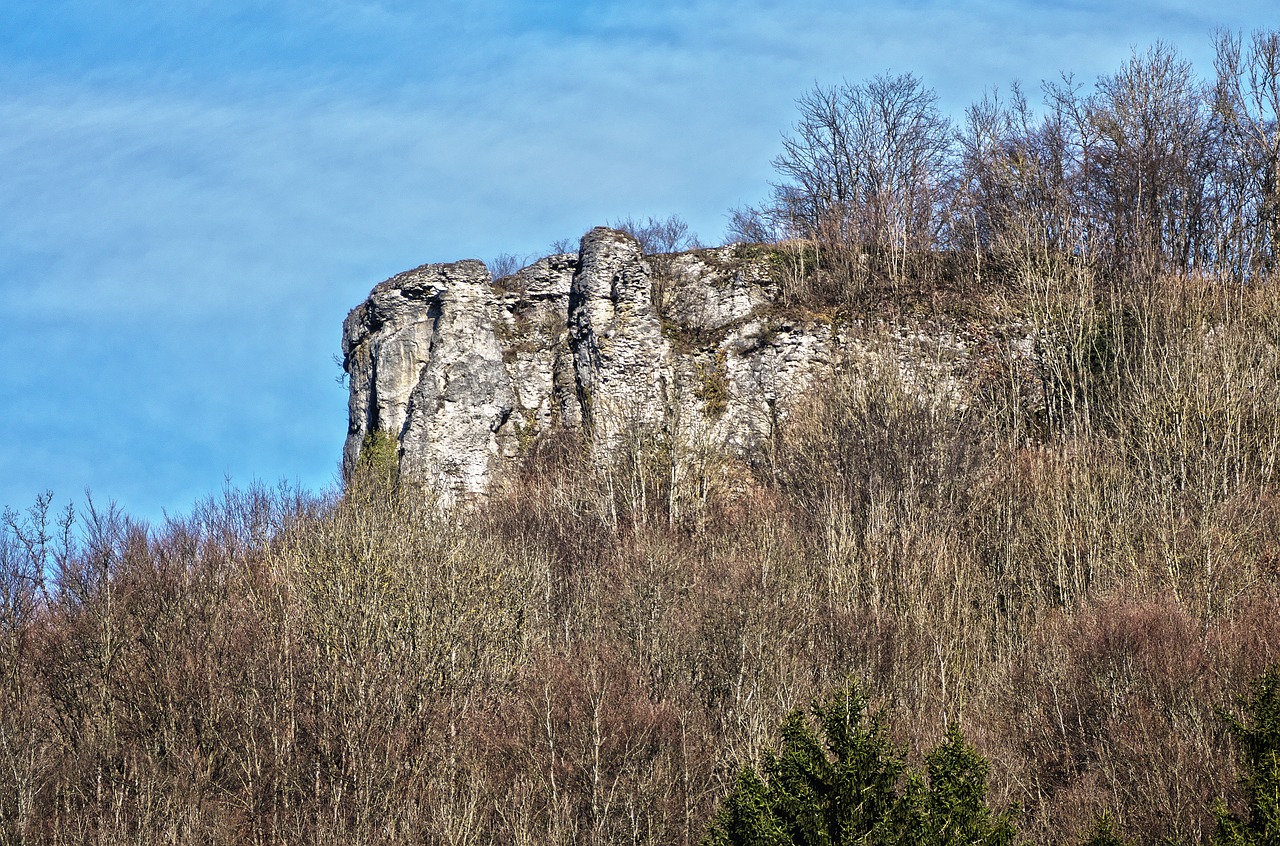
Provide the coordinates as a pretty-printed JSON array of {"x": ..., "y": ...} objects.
[{"x": 466, "y": 371}]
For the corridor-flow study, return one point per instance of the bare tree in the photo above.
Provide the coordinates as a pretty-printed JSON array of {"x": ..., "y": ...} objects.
[
  {"x": 1012, "y": 198},
  {"x": 1019, "y": 189},
  {"x": 866, "y": 163},
  {"x": 1247, "y": 101},
  {"x": 755, "y": 225},
  {"x": 1149, "y": 166},
  {"x": 503, "y": 265},
  {"x": 666, "y": 235}
]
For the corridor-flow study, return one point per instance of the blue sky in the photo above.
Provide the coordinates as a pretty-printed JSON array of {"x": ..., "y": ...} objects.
[{"x": 193, "y": 194}]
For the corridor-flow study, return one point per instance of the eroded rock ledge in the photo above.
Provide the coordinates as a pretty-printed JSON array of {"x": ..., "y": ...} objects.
[{"x": 466, "y": 371}]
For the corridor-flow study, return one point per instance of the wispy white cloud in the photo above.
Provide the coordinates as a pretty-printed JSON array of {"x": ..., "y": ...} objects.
[{"x": 195, "y": 192}]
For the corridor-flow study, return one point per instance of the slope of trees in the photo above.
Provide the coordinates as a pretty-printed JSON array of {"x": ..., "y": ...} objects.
[
  {"x": 1150, "y": 170},
  {"x": 593, "y": 656}
]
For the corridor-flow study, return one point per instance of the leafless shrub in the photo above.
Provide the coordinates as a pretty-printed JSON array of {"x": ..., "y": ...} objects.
[
  {"x": 1247, "y": 101},
  {"x": 657, "y": 236},
  {"x": 755, "y": 225},
  {"x": 503, "y": 265}
]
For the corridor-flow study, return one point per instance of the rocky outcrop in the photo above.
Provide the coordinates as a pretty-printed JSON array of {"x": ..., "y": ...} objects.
[
  {"x": 466, "y": 372},
  {"x": 425, "y": 363},
  {"x": 621, "y": 361}
]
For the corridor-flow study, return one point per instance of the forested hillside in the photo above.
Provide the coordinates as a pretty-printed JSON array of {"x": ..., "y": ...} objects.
[{"x": 1067, "y": 596}]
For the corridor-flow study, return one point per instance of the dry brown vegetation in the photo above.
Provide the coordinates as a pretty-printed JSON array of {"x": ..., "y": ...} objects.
[{"x": 592, "y": 654}]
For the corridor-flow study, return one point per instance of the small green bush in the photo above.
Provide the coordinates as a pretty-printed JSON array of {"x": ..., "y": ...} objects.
[
  {"x": 714, "y": 387},
  {"x": 379, "y": 462}
]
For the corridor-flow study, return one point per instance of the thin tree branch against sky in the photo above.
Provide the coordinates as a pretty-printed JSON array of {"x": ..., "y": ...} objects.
[{"x": 193, "y": 194}]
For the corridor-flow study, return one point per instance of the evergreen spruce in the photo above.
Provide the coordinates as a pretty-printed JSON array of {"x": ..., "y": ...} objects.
[
  {"x": 837, "y": 779},
  {"x": 1257, "y": 736},
  {"x": 951, "y": 808},
  {"x": 1104, "y": 833}
]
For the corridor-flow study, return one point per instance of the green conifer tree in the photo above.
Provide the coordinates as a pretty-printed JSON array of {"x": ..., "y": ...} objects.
[
  {"x": 837, "y": 779},
  {"x": 951, "y": 808},
  {"x": 1104, "y": 833},
  {"x": 1257, "y": 736}
]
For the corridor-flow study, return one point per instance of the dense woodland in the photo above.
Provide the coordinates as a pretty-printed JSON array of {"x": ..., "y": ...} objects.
[{"x": 1068, "y": 598}]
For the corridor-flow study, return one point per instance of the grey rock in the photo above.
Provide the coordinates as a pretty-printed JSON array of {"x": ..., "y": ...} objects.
[
  {"x": 425, "y": 365},
  {"x": 467, "y": 372},
  {"x": 621, "y": 359}
]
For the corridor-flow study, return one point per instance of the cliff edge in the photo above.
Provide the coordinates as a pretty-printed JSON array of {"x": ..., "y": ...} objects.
[{"x": 466, "y": 372}]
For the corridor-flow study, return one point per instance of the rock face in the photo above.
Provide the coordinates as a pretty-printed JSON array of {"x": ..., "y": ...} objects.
[{"x": 465, "y": 372}]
